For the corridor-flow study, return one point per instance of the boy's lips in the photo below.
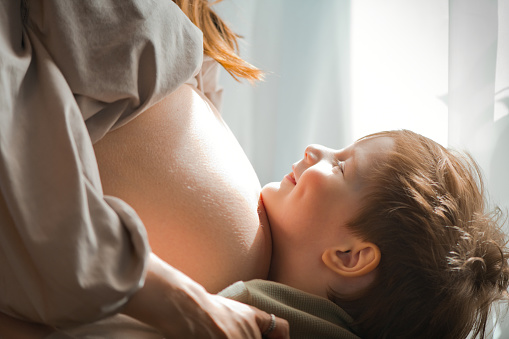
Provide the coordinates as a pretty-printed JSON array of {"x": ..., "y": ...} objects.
[{"x": 291, "y": 178}]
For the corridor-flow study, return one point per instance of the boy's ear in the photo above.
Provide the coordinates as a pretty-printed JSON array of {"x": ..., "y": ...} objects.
[{"x": 355, "y": 261}]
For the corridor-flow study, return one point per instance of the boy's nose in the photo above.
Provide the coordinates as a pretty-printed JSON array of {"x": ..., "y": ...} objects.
[{"x": 312, "y": 154}]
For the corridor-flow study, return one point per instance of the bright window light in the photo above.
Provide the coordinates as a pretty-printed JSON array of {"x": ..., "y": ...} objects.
[{"x": 400, "y": 67}]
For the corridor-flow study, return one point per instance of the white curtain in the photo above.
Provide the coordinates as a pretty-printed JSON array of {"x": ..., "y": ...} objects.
[
  {"x": 479, "y": 88},
  {"x": 337, "y": 70},
  {"x": 340, "y": 69},
  {"x": 479, "y": 94},
  {"x": 305, "y": 48}
]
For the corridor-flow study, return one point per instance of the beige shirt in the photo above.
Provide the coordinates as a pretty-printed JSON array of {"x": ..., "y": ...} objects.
[{"x": 70, "y": 71}]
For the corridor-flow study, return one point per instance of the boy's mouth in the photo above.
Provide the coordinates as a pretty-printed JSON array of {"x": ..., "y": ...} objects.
[{"x": 291, "y": 178}]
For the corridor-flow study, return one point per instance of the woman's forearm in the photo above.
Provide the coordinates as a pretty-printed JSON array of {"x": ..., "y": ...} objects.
[
  {"x": 161, "y": 302},
  {"x": 180, "y": 308}
]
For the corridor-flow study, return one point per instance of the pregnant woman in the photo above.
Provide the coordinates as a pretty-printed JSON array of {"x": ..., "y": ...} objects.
[{"x": 73, "y": 252}]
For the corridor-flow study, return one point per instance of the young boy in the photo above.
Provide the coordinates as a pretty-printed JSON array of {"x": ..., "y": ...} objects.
[{"x": 388, "y": 238}]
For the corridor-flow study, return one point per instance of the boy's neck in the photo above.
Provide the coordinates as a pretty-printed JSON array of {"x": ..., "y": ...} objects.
[
  {"x": 306, "y": 277},
  {"x": 297, "y": 269}
]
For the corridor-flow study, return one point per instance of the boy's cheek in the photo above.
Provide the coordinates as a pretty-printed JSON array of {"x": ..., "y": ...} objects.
[
  {"x": 270, "y": 194},
  {"x": 271, "y": 186},
  {"x": 268, "y": 191}
]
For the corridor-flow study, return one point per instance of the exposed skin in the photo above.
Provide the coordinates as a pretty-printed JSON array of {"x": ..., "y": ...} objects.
[
  {"x": 308, "y": 210},
  {"x": 180, "y": 167},
  {"x": 180, "y": 308}
]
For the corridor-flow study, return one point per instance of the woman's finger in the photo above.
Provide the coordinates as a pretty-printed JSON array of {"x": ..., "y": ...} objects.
[{"x": 273, "y": 327}]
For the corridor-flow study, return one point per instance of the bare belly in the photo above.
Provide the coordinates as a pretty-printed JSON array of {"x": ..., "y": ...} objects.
[{"x": 179, "y": 166}]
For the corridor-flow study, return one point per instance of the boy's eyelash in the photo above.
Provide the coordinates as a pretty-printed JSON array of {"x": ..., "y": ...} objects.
[{"x": 341, "y": 165}]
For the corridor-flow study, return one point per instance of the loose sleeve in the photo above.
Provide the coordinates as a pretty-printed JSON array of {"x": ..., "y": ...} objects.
[
  {"x": 68, "y": 253},
  {"x": 207, "y": 81}
]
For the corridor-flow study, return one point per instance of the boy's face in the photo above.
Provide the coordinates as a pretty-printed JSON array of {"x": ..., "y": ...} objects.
[{"x": 324, "y": 191}]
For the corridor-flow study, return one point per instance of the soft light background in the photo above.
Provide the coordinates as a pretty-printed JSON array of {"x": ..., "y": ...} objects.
[{"x": 340, "y": 69}]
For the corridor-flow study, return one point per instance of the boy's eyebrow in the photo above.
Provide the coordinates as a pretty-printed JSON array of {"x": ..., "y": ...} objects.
[
  {"x": 351, "y": 164},
  {"x": 354, "y": 171}
]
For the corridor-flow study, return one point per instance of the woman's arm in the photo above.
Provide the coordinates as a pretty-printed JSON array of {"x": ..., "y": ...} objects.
[{"x": 180, "y": 308}]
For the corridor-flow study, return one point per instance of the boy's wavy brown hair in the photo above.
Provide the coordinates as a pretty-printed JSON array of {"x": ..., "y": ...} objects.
[
  {"x": 444, "y": 257},
  {"x": 219, "y": 41}
]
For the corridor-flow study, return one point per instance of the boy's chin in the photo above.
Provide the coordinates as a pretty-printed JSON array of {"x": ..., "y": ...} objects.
[
  {"x": 270, "y": 193},
  {"x": 271, "y": 186}
]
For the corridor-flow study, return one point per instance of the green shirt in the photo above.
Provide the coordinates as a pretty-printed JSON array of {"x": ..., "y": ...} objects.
[{"x": 309, "y": 316}]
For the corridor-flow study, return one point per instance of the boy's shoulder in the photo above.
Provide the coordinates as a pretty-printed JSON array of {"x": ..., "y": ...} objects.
[{"x": 310, "y": 316}]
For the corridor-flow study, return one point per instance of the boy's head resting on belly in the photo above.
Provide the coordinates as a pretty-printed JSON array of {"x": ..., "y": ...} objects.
[{"x": 394, "y": 229}]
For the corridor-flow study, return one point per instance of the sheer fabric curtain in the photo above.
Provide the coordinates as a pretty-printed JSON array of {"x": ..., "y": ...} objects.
[
  {"x": 339, "y": 69},
  {"x": 479, "y": 94},
  {"x": 305, "y": 48},
  {"x": 479, "y": 88}
]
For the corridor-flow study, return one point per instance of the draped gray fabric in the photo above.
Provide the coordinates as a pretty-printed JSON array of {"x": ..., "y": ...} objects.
[{"x": 66, "y": 78}]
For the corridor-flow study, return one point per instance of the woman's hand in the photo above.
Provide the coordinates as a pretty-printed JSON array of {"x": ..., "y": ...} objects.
[
  {"x": 180, "y": 308},
  {"x": 231, "y": 319}
]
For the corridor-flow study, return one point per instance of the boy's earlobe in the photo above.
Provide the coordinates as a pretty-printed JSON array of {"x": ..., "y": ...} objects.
[{"x": 357, "y": 261}]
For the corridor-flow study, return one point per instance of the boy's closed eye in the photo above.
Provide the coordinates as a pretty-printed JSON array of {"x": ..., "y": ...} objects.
[{"x": 341, "y": 166}]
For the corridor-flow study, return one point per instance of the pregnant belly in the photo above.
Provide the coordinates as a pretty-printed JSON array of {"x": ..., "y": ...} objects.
[{"x": 179, "y": 166}]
